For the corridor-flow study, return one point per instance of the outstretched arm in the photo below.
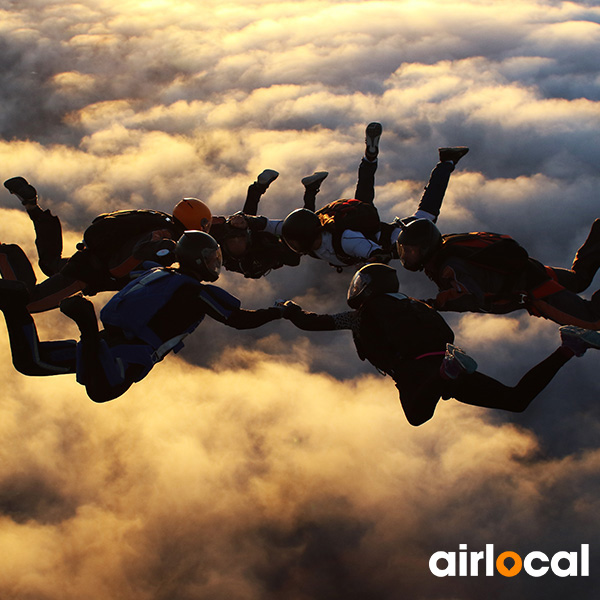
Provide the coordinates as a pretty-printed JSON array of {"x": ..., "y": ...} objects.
[
  {"x": 242, "y": 220},
  {"x": 250, "y": 319},
  {"x": 356, "y": 244},
  {"x": 225, "y": 308},
  {"x": 315, "y": 322},
  {"x": 274, "y": 226}
]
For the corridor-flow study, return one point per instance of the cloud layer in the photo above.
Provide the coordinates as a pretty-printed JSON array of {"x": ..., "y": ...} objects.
[{"x": 268, "y": 493}]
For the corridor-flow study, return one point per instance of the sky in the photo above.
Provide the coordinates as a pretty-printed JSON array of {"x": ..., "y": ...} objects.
[{"x": 273, "y": 463}]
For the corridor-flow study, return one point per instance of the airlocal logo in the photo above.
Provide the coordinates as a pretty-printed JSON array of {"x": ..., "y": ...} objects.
[{"x": 509, "y": 563}]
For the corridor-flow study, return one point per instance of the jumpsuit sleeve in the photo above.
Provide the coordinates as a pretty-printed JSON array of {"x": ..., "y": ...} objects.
[
  {"x": 273, "y": 226},
  {"x": 356, "y": 244},
  {"x": 314, "y": 322},
  {"x": 242, "y": 318},
  {"x": 225, "y": 308},
  {"x": 255, "y": 223},
  {"x": 251, "y": 222}
]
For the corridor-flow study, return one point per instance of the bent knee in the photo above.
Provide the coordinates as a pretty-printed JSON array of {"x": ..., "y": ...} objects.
[
  {"x": 100, "y": 397},
  {"x": 100, "y": 393},
  {"x": 517, "y": 406},
  {"x": 418, "y": 417}
]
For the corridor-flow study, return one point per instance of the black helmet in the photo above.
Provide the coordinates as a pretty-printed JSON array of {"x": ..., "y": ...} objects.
[
  {"x": 421, "y": 233},
  {"x": 199, "y": 254},
  {"x": 300, "y": 229},
  {"x": 374, "y": 278}
]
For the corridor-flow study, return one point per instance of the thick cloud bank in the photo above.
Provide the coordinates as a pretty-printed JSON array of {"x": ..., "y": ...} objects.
[
  {"x": 274, "y": 463},
  {"x": 270, "y": 482}
]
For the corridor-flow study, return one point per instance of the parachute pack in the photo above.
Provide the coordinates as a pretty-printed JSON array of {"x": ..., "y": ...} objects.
[
  {"x": 340, "y": 215},
  {"x": 398, "y": 326},
  {"x": 343, "y": 214},
  {"x": 419, "y": 321},
  {"x": 133, "y": 307},
  {"x": 490, "y": 250},
  {"x": 108, "y": 230}
]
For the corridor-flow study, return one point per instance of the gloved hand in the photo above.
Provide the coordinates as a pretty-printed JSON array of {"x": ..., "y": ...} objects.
[
  {"x": 288, "y": 308},
  {"x": 380, "y": 256},
  {"x": 238, "y": 220}
]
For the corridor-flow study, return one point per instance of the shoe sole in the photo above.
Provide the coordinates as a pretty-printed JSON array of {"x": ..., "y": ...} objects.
[
  {"x": 267, "y": 177},
  {"x": 456, "y": 152},
  {"x": 21, "y": 188},
  {"x": 315, "y": 178},
  {"x": 372, "y": 135},
  {"x": 591, "y": 338},
  {"x": 468, "y": 364}
]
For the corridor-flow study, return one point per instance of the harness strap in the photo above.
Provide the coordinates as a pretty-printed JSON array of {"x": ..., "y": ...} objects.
[
  {"x": 440, "y": 353},
  {"x": 546, "y": 289},
  {"x": 174, "y": 344}
]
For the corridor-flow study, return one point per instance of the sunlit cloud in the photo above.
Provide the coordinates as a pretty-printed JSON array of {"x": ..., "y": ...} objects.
[{"x": 268, "y": 479}]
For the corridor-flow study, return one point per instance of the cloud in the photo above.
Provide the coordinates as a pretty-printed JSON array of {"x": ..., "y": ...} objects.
[{"x": 253, "y": 483}]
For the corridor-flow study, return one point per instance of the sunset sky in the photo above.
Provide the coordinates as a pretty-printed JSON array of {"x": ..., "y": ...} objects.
[{"x": 274, "y": 464}]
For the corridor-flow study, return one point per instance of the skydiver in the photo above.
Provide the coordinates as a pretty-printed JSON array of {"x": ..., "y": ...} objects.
[
  {"x": 246, "y": 248},
  {"x": 143, "y": 322},
  {"x": 113, "y": 245},
  {"x": 411, "y": 342},
  {"x": 503, "y": 280},
  {"x": 347, "y": 243}
]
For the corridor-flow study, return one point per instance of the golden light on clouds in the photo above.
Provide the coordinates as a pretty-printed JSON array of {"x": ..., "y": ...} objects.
[
  {"x": 73, "y": 82},
  {"x": 160, "y": 476}
]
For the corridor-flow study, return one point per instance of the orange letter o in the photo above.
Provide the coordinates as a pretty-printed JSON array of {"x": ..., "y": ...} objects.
[{"x": 516, "y": 568}]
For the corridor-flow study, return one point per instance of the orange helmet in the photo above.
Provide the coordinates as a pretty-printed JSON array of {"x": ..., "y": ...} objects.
[{"x": 193, "y": 214}]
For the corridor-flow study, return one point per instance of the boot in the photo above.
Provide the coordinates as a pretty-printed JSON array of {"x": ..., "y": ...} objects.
[
  {"x": 314, "y": 181},
  {"x": 578, "y": 340},
  {"x": 587, "y": 259},
  {"x": 456, "y": 363},
  {"x": 372, "y": 137},
  {"x": 452, "y": 154},
  {"x": 13, "y": 294},
  {"x": 23, "y": 190},
  {"x": 82, "y": 312}
]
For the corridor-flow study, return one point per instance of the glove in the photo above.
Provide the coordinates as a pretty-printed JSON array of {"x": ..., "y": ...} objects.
[
  {"x": 238, "y": 220},
  {"x": 379, "y": 256},
  {"x": 288, "y": 308}
]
